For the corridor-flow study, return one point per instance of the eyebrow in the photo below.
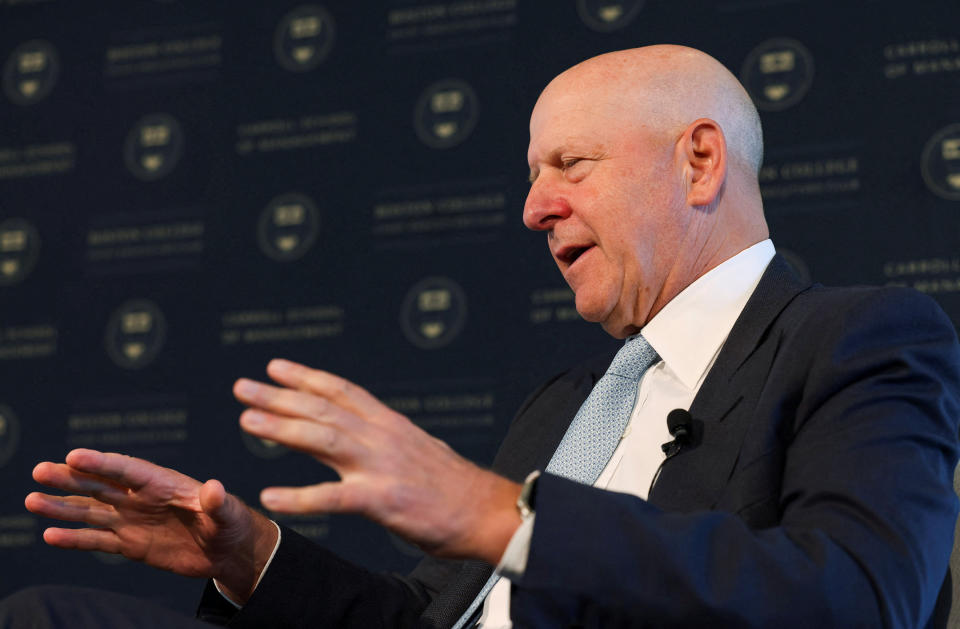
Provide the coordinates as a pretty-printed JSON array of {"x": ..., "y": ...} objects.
[{"x": 552, "y": 156}]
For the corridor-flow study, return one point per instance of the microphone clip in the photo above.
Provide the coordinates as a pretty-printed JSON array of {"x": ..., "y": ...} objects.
[
  {"x": 680, "y": 425},
  {"x": 671, "y": 448}
]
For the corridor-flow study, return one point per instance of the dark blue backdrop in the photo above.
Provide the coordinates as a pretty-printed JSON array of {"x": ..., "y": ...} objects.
[{"x": 190, "y": 189}]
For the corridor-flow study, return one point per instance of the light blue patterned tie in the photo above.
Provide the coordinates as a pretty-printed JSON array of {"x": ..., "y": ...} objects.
[
  {"x": 596, "y": 430},
  {"x": 594, "y": 433}
]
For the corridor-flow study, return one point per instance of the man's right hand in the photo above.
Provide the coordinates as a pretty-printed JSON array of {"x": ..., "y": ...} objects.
[{"x": 155, "y": 515}]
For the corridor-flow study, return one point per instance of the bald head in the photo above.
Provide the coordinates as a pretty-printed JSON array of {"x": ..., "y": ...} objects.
[
  {"x": 667, "y": 87},
  {"x": 643, "y": 166}
]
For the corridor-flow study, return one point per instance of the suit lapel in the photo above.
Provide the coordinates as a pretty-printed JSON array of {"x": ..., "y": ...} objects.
[{"x": 723, "y": 408}]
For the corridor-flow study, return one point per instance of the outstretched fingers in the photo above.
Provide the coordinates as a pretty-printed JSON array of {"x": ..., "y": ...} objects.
[
  {"x": 71, "y": 509},
  {"x": 340, "y": 391},
  {"x": 325, "y": 441},
  {"x": 83, "y": 539},
  {"x": 121, "y": 469},
  {"x": 333, "y": 497},
  {"x": 294, "y": 403},
  {"x": 66, "y": 478}
]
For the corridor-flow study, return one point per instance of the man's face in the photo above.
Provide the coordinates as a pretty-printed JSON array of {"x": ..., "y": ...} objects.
[{"x": 605, "y": 189}]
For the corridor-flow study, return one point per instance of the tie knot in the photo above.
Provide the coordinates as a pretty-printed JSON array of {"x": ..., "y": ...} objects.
[{"x": 633, "y": 359}]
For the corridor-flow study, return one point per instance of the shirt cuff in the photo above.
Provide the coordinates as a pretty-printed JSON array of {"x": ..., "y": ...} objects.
[
  {"x": 270, "y": 560},
  {"x": 514, "y": 561}
]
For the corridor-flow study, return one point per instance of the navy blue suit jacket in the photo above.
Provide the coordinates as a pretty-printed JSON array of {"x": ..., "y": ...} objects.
[{"x": 817, "y": 493}]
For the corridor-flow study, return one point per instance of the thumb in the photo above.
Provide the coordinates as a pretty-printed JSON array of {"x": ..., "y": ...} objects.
[{"x": 222, "y": 508}]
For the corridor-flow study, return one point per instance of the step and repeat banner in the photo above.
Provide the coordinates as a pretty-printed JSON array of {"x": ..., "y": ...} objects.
[{"x": 189, "y": 189}]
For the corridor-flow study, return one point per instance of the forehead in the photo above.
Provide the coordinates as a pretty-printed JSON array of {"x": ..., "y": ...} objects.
[{"x": 567, "y": 116}]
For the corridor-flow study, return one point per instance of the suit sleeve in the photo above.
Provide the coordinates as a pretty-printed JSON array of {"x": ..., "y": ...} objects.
[
  {"x": 308, "y": 586},
  {"x": 864, "y": 444}
]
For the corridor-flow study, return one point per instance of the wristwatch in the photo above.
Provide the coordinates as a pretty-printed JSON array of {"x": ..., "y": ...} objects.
[{"x": 526, "y": 501}]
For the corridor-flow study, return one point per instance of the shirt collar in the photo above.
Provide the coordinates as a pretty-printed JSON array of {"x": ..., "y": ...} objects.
[{"x": 689, "y": 331}]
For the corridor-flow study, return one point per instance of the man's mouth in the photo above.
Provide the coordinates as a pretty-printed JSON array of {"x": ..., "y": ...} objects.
[{"x": 568, "y": 255}]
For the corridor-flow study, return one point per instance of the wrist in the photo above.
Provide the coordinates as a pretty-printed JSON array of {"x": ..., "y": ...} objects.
[
  {"x": 240, "y": 577},
  {"x": 497, "y": 521}
]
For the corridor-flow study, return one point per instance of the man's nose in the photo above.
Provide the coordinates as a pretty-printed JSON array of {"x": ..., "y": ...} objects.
[{"x": 544, "y": 206}]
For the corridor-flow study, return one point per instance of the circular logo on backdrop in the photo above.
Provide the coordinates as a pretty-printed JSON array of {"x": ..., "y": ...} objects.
[
  {"x": 263, "y": 448},
  {"x": 941, "y": 163},
  {"x": 433, "y": 312},
  {"x": 608, "y": 15},
  {"x": 288, "y": 227},
  {"x": 446, "y": 113},
  {"x": 135, "y": 334},
  {"x": 303, "y": 38},
  {"x": 153, "y": 147},
  {"x": 19, "y": 249},
  {"x": 31, "y": 72},
  {"x": 9, "y": 434},
  {"x": 778, "y": 73}
]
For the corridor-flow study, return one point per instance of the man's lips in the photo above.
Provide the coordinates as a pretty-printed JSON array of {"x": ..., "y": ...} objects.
[{"x": 568, "y": 254}]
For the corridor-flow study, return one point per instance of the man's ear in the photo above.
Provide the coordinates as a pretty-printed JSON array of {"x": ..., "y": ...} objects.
[{"x": 705, "y": 153}]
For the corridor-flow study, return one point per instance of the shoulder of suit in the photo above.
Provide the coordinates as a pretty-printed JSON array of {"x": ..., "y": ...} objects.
[
  {"x": 823, "y": 302},
  {"x": 849, "y": 316}
]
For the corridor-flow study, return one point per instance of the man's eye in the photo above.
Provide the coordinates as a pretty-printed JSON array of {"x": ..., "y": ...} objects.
[{"x": 575, "y": 168}]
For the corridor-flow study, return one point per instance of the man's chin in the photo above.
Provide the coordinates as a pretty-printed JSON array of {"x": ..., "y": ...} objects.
[
  {"x": 611, "y": 324},
  {"x": 590, "y": 312}
]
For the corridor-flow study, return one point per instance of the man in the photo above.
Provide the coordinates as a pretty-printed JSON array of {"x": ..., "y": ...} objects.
[{"x": 815, "y": 488}]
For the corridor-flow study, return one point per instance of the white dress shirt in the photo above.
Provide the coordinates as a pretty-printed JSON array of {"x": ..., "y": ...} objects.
[{"x": 687, "y": 334}]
